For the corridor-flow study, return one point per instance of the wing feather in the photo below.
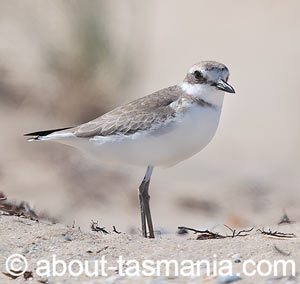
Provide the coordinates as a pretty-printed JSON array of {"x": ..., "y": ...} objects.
[{"x": 138, "y": 115}]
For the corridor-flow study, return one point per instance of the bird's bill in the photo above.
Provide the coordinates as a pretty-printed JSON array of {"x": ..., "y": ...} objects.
[{"x": 224, "y": 86}]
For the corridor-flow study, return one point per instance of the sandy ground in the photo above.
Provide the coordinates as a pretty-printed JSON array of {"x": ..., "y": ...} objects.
[{"x": 41, "y": 240}]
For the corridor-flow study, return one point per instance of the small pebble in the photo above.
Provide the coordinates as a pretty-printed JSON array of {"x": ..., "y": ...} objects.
[
  {"x": 43, "y": 281},
  {"x": 68, "y": 238},
  {"x": 228, "y": 279},
  {"x": 274, "y": 279},
  {"x": 182, "y": 232},
  {"x": 25, "y": 251},
  {"x": 236, "y": 258},
  {"x": 291, "y": 280},
  {"x": 113, "y": 279}
]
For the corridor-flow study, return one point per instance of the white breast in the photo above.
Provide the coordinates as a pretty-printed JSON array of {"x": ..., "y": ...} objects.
[{"x": 166, "y": 146}]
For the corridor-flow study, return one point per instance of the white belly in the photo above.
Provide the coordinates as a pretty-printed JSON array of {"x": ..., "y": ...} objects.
[{"x": 164, "y": 147}]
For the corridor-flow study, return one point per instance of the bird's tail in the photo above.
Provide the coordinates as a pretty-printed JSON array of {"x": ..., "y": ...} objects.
[{"x": 43, "y": 135}]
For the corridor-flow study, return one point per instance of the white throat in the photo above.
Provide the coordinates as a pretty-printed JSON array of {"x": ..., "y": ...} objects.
[{"x": 205, "y": 92}]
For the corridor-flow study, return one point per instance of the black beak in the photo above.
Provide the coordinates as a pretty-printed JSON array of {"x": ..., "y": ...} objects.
[{"x": 224, "y": 86}]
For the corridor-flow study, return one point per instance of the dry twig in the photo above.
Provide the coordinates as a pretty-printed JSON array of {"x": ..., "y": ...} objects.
[
  {"x": 20, "y": 210},
  {"x": 96, "y": 228},
  {"x": 277, "y": 234},
  {"x": 115, "y": 230},
  {"x": 103, "y": 249},
  {"x": 242, "y": 233},
  {"x": 2, "y": 196},
  {"x": 206, "y": 234},
  {"x": 285, "y": 219},
  {"x": 281, "y": 251},
  {"x": 203, "y": 234}
]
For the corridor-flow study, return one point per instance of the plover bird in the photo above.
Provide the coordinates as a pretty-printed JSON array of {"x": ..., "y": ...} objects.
[{"x": 158, "y": 130}]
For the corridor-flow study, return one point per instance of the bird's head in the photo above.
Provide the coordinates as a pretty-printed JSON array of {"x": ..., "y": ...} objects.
[{"x": 207, "y": 77}]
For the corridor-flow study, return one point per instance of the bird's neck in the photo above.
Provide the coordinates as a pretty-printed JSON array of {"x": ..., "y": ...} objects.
[{"x": 204, "y": 92}]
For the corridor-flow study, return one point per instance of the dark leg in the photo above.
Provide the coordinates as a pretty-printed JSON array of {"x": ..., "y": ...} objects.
[
  {"x": 142, "y": 210},
  {"x": 144, "y": 204},
  {"x": 147, "y": 210}
]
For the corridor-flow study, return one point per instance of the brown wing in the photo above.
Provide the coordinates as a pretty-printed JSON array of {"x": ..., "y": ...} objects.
[{"x": 138, "y": 115}]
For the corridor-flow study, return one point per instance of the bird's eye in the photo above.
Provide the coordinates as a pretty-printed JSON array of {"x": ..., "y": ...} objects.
[{"x": 197, "y": 74}]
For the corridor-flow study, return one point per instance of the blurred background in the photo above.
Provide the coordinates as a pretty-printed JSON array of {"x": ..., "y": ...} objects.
[{"x": 65, "y": 62}]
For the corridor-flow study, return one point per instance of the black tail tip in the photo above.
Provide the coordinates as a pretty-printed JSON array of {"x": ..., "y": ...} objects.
[{"x": 38, "y": 134}]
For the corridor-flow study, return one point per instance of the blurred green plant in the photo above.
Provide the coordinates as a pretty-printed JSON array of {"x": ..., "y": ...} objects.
[
  {"x": 92, "y": 46},
  {"x": 71, "y": 67}
]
